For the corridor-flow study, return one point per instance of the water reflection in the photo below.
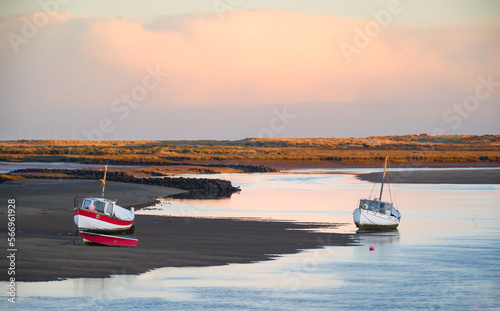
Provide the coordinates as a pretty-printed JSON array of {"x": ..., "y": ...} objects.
[
  {"x": 378, "y": 238},
  {"x": 443, "y": 210},
  {"x": 321, "y": 198},
  {"x": 179, "y": 283}
]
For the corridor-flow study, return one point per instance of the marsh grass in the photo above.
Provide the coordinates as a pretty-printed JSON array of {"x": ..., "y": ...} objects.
[
  {"x": 407, "y": 148},
  {"x": 8, "y": 177}
]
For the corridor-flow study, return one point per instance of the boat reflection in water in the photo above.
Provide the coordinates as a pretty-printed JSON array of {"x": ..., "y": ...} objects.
[{"x": 378, "y": 238}]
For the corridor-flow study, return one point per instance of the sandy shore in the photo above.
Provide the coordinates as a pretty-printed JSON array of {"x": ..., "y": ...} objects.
[
  {"x": 483, "y": 176},
  {"x": 48, "y": 249}
]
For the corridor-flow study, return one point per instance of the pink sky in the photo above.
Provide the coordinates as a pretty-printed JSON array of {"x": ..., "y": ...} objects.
[{"x": 259, "y": 58}]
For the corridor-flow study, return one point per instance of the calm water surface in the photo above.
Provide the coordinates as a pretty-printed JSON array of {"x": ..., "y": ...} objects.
[{"x": 445, "y": 255}]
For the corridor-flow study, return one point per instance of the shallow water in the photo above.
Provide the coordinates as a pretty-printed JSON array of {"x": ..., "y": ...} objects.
[{"x": 445, "y": 255}]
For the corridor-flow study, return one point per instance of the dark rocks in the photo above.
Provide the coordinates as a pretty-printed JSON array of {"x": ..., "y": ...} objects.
[{"x": 198, "y": 188}]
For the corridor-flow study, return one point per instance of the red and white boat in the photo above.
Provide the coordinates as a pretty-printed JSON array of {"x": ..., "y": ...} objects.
[
  {"x": 102, "y": 215},
  {"x": 110, "y": 240}
]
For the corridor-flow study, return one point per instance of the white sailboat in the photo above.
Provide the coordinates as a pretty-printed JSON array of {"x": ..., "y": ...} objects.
[{"x": 375, "y": 214}]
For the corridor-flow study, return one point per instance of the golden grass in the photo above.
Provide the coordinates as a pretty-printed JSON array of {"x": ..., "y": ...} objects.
[
  {"x": 424, "y": 148},
  {"x": 7, "y": 177}
]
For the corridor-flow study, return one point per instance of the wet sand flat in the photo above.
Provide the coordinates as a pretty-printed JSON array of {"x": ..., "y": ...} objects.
[{"x": 47, "y": 248}]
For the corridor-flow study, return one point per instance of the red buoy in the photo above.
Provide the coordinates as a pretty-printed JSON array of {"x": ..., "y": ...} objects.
[{"x": 372, "y": 248}]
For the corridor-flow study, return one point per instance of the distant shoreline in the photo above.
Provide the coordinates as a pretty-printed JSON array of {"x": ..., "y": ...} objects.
[
  {"x": 288, "y": 165},
  {"x": 248, "y": 165},
  {"x": 482, "y": 176},
  {"x": 264, "y": 154}
]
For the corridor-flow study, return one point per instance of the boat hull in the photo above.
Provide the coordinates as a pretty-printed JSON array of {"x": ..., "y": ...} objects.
[
  {"x": 108, "y": 240},
  {"x": 370, "y": 220},
  {"x": 91, "y": 221}
]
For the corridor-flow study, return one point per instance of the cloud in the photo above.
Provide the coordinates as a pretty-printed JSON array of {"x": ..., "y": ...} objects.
[
  {"x": 269, "y": 57},
  {"x": 263, "y": 57}
]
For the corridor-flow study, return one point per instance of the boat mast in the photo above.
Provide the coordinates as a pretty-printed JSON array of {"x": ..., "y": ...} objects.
[
  {"x": 383, "y": 177},
  {"x": 104, "y": 180}
]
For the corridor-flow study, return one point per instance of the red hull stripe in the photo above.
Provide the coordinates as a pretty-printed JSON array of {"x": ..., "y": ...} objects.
[
  {"x": 105, "y": 218},
  {"x": 109, "y": 240}
]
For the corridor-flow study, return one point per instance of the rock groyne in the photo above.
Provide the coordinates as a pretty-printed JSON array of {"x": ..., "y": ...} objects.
[{"x": 197, "y": 188}]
